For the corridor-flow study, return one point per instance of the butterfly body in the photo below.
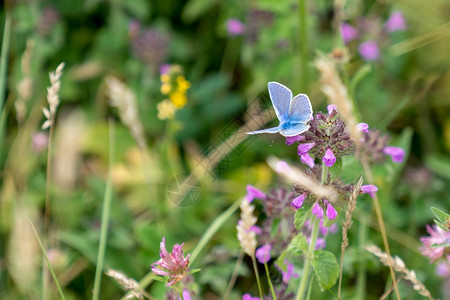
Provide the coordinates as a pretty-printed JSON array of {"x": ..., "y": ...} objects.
[{"x": 294, "y": 113}]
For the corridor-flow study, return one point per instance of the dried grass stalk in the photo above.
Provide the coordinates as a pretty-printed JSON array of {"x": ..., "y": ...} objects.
[
  {"x": 337, "y": 93},
  {"x": 298, "y": 177},
  {"x": 247, "y": 237},
  {"x": 127, "y": 283},
  {"x": 122, "y": 97},
  {"x": 399, "y": 266},
  {"x": 351, "y": 206},
  {"x": 25, "y": 85},
  {"x": 53, "y": 96}
]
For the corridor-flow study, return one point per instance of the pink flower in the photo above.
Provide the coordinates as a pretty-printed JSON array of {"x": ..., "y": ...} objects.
[
  {"x": 263, "y": 253},
  {"x": 256, "y": 229},
  {"x": 369, "y": 189},
  {"x": 443, "y": 268},
  {"x": 307, "y": 160},
  {"x": 298, "y": 201},
  {"x": 235, "y": 27},
  {"x": 174, "y": 265},
  {"x": 249, "y": 297},
  {"x": 431, "y": 243},
  {"x": 395, "y": 22},
  {"x": 283, "y": 167},
  {"x": 292, "y": 139},
  {"x": 186, "y": 295},
  {"x": 317, "y": 210},
  {"x": 164, "y": 69},
  {"x": 39, "y": 141},
  {"x": 253, "y": 193},
  {"x": 329, "y": 159},
  {"x": 331, "y": 212},
  {"x": 369, "y": 50},
  {"x": 397, "y": 154},
  {"x": 331, "y": 107},
  {"x": 289, "y": 272},
  {"x": 363, "y": 127},
  {"x": 304, "y": 148},
  {"x": 348, "y": 32}
]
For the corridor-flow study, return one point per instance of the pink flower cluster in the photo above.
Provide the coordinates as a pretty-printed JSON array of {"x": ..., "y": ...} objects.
[
  {"x": 174, "y": 265},
  {"x": 369, "y": 48}
]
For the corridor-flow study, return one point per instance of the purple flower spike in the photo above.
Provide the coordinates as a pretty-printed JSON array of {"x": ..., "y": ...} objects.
[
  {"x": 253, "y": 193},
  {"x": 331, "y": 212},
  {"x": 369, "y": 50},
  {"x": 369, "y": 189},
  {"x": 263, "y": 253},
  {"x": 292, "y": 139},
  {"x": 396, "y": 22},
  {"x": 348, "y": 32},
  {"x": 304, "y": 148},
  {"x": 363, "y": 127},
  {"x": 164, "y": 69},
  {"x": 329, "y": 159},
  {"x": 235, "y": 27},
  {"x": 249, "y": 297},
  {"x": 298, "y": 201},
  {"x": 396, "y": 153},
  {"x": 331, "y": 107},
  {"x": 307, "y": 160},
  {"x": 317, "y": 210},
  {"x": 289, "y": 273}
]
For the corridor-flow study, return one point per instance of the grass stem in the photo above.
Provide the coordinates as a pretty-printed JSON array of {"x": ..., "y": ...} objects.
[{"x": 105, "y": 217}]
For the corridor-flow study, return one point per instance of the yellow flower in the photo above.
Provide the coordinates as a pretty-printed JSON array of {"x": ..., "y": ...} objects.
[
  {"x": 178, "y": 98},
  {"x": 183, "y": 84},
  {"x": 166, "y": 109},
  {"x": 165, "y": 88},
  {"x": 165, "y": 78}
]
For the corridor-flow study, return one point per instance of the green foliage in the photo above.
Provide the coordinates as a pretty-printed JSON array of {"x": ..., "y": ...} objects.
[{"x": 326, "y": 268}]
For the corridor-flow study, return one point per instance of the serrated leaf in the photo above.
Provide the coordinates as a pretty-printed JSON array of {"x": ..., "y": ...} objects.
[
  {"x": 298, "y": 245},
  {"x": 439, "y": 214},
  {"x": 326, "y": 268},
  {"x": 301, "y": 215},
  {"x": 336, "y": 169}
]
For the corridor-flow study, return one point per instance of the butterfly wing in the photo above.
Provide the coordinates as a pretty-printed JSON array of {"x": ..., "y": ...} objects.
[
  {"x": 267, "y": 130},
  {"x": 281, "y": 98},
  {"x": 295, "y": 129},
  {"x": 300, "y": 110}
]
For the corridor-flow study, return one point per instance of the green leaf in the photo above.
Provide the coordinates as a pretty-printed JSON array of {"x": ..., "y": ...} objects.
[
  {"x": 336, "y": 169},
  {"x": 301, "y": 215},
  {"x": 439, "y": 164},
  {"x": 298, "y": 245},
  {"x": 441, "y": 225},
  {"x": 194, "y": 9},
  {"x": 439, "y": 214},
  {"x": 326, "y": 268},
  {"x": 139, "y": 8}
]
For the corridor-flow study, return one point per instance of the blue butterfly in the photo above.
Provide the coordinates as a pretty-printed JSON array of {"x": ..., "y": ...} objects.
[{"x": 293, "y": 113}]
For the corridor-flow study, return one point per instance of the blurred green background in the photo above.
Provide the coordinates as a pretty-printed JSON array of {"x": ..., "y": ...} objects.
[{"x": 405, "y": 92}]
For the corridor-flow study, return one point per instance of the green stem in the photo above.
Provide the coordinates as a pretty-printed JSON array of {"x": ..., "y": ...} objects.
[
  {"x": 105, "y": 218},
  {"x": 361, "y": 279},
  {"x": 258, "y": 281},
  {"x": 47, "y": 261},
  {"x": 215, "y": 226},
  {"x": 309, "y": 256},
  {"x": 3, "y": 69},
  {"x": 234, "y": 275},
  {"x": 303, "y": 48},
  {"x": 274, "y": 296},
  {"x": 312, "y": 245}
]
